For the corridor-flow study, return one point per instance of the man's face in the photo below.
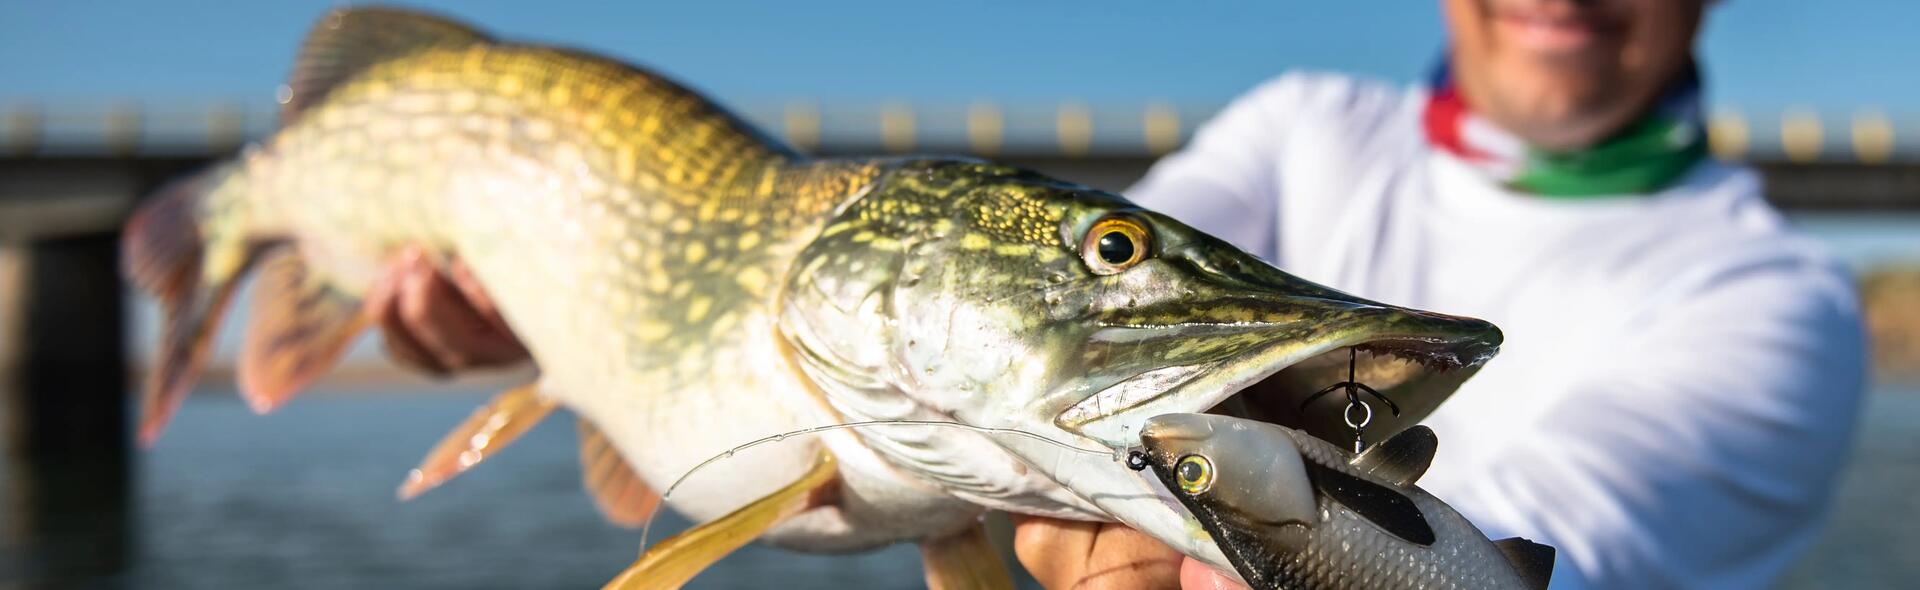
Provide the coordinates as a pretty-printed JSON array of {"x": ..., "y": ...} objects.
[{"x": 1564, "y": 74}]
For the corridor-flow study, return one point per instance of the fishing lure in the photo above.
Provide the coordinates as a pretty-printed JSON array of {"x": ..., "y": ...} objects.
[
  {"x": 1353, "y": 388},
  {"x": 1293, "y": 511}
]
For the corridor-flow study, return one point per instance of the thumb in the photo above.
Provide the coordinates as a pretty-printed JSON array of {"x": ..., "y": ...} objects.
[{"x": 1199, "y": 576}]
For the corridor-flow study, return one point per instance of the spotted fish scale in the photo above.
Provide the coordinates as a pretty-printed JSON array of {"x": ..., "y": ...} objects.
[
  {"x": 557, "y": 177},
  {"x": 629, "y": 231}
]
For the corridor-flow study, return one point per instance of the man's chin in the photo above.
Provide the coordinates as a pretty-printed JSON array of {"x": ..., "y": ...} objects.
[{"x": 1560, "y": 115}]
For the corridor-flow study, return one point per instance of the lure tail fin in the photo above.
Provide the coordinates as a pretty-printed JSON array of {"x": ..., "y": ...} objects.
[
  {"x": 165, "y": 252},
  {"x": 1533, "y": 561}
]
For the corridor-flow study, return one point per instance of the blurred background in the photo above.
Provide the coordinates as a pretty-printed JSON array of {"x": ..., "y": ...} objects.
[{"x": 101, "y": 101}]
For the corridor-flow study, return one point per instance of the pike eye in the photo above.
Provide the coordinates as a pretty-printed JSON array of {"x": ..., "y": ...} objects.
[
  {"x": 1115, "y": 244},
  {"x": 1194, "y": 473},
  {"x": 1115, "y": 248}
]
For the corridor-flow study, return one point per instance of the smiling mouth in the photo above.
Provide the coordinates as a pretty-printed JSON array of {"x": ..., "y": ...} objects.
[
  {"x": 1272, "y": 381},
  {"x": 1554, "y": 33}
]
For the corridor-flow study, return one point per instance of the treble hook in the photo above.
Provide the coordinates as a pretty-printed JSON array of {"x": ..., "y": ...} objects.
[{"x": 1353, "y": 388}]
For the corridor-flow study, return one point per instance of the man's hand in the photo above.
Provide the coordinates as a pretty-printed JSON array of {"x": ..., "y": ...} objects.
[
  {"x": 1086, "y": 555},
  {"x": 440, "y": 321}
]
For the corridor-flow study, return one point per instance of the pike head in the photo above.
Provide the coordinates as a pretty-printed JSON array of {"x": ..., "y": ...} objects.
[{"x": 1002, "y": 298}]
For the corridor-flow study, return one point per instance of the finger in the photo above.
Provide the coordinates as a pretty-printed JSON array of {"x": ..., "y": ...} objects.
[
  {"x": 1199, "y": 576},
  {"x": 396, "y": 333},
  {"x": 1069, "y": 554},
  {"x": 429, "y": 321},
  {"x": 434, "y": 314},
  {"x": 1053, "y": 550},
  {"x": 447, "y": 324},
  {"x": 1127, "y": 558},
  {"x": 475, "y": 294},
  {"x": 493, "y": 341}
]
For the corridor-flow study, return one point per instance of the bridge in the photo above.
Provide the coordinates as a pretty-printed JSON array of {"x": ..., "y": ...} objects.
[{"x": 67, "y": 168}]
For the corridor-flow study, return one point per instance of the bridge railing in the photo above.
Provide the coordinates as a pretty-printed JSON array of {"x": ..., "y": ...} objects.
[{"x": 1866, "y": 135}]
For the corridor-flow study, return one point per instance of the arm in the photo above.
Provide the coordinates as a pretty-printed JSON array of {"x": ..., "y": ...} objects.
[{"x": 1705, "y": 454}]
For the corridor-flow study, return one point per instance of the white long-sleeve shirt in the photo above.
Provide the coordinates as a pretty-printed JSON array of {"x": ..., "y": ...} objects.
[{"x": 1681, "y": 372}]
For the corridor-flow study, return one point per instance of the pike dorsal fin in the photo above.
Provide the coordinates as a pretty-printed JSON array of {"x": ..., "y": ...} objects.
[
  {"x": 621, "y": 495},
  {"x": 347, "y": 41},
  {"x": 1533, "y": 561},
  {"x": 1401, "y": 459}
]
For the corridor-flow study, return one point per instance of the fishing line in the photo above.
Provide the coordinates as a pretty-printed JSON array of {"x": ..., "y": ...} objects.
[{"x": 1119, "y": 455}]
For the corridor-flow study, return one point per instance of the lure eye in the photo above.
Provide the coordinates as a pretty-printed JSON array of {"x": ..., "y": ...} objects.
[
  {"x": 1115, "y": 244},
  {"x": 1194, "y": 473}
]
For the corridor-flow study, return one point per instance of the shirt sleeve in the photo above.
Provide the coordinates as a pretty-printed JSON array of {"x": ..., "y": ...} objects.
[
  {"x": 1704, "y": 453},
  {"x": 1224, "y": 181}
]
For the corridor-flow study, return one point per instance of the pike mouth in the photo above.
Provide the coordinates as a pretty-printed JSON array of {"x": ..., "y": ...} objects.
[{"x": 1272, "y": 381}]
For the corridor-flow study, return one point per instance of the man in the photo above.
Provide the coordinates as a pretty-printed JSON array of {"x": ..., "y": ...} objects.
[{"x": 1680, "y": 374}]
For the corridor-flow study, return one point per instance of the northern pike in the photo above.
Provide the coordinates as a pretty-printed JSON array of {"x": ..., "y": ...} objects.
[
  {"x": 685, "y": 283},
  {"x": 1292, "y": 511}
]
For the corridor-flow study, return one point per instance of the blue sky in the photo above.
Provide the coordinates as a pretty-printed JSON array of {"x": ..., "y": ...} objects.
[{"x": 1762, "y": 55}]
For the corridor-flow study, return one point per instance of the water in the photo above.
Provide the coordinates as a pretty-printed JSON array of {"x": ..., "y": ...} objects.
[
  {"x": 304, "y": 499},
  {"x": 1871, "y": 541},
  {"x": 1865, "y": 239}
]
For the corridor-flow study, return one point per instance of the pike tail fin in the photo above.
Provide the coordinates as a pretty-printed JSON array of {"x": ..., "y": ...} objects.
[{"x": 169, "y": 251}]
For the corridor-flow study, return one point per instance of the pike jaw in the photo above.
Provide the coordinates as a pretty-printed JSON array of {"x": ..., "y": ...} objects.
[{"x": 1000, "y": 298}]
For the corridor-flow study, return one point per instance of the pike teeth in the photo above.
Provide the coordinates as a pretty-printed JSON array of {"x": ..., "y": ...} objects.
[{"x": 1136, "y": 390}]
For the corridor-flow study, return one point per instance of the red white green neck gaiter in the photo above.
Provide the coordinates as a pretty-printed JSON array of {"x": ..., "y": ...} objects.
[{"x": 1643, "y": 158}]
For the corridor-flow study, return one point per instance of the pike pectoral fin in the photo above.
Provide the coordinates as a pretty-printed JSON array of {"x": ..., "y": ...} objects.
[
  {"x": 297, "y": 330},
  {"x": 616, "y": 489},
  {"x": 674, "y": 561},
  {"x": 488, "y": 430},
  {"x": 964, "y": 561}
]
